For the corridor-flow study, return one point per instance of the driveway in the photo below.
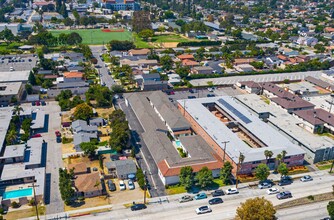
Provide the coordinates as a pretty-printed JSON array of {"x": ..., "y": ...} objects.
[{"x": 105, "y": 77}]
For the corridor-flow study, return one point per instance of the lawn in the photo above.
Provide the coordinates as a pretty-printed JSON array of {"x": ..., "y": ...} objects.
[
  {"x": 177, "y": 189},
  {"x": 169, "y": 38},
  {"x": 96, "y": 36},
  {"x": 25, "y": 213},
  {"x": 139, "y": 43}
]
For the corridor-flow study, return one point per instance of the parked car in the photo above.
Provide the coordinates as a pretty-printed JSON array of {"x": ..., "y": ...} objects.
[
  {"x": 201, "y": 196},
  {"x": 43, "y": 103},
  {"x": 210, "y": 95},
  {"x": 131, "y": 184},
  {"x": 58, "y": 139},
  {"x": 284, "y": 195},
  {"x": 285, "y": 180},
  {"x": 211, "y": 89},
  {"x": 232, "y": 191},
  {"x": 265, "y": 184},
  {"x": 136, "y": 207},
  {"x": 272, "y": 190},
  {"x": 111, "y": 185},
  {"x": 58, "y": 134},
  {"x": 217, "y": 192},
  {"x": 306, "y": 178},
  {"x": 191, "y": 97},
  {"x": 203, "y": 209},
  {"x": 122, "y": 185},
  {"x": 38, "y": 103},
  {"x": 36, "y": 136},
  {"x": 215, "y": 201},
  {"x": 192, "y": 90},
  {"x": 185, "y": 198}
]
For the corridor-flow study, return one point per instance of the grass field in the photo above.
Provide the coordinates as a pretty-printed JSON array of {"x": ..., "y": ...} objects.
[
  {"x": 96, "y": 36},
  {"x": 168, "y": 38}
]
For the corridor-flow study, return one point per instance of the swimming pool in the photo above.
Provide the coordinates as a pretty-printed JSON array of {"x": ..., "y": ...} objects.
[
  {"x": 17, "y": 193},
  {"x": 178, "y": 143}
]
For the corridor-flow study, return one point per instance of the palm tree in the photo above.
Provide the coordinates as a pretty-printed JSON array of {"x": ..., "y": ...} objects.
[
  {"x": 241, "y": 160},
  {"x": 284, "y": 153},
  {"x": 17, "y": 110},
  {"x": 11, "y": 136},
  {"x": 278, "y": 159},
  {"x": 266, "y": 154}
]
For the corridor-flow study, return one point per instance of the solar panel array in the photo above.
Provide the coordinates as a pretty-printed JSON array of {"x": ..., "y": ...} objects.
[{"x": 234, "y": 111}]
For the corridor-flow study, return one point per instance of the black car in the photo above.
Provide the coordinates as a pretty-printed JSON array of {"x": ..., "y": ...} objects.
[
  {"x": 217, "y": 192},
  {"x": 191, "y": 97},
  {"x": 210, "y": 95},
  {"x": 215, "y": 201},
  {"x": 191, "y": 91},
  {"x": 285, "y": 181},
  {"x": 136, "y": 207},
  {"x": 58, "y": 139},
  {"x": 111, "y": 185}
]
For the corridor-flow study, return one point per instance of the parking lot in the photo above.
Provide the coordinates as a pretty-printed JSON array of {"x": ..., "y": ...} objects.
[{"x": 17, "y": 62}]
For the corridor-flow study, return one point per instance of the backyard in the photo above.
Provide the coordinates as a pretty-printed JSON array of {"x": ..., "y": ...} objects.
[{"x": 96, "y": 36}]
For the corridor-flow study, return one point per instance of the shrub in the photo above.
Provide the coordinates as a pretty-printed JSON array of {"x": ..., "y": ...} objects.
[
  {"x": 310, "y": 197},
  {"x": 31, "y": 202},
  {"x": 15, "y": 205}
]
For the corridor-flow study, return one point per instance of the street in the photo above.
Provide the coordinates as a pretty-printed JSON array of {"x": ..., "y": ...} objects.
[
  {"x": 274, "y": 77},
  {"x": 322, "y": 183},
  {"x": 105, "y": 77}
]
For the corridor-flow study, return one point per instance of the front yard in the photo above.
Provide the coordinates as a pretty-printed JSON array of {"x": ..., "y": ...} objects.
[{"x": 25, "y": 212}]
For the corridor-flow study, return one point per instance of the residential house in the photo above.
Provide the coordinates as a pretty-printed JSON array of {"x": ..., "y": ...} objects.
[
  {"x": 80, "y": 126},
  {"x": 186, "y": 57},
  {"x": 121, "y": 168},
  {"x": 320, "y": 83},
  {"x": 78, "y": 168},
  {"x": 241, "y": 61},
  {"x": 96, "y": 122},
  {"x": 244, "y": 68},
  {"x": 174, "y": 78},
  {"x": 190, "y": 63},
  {"x": 150, "y": 82},
  {"x": 88, "y": 185},
  {"x": 202, "y": 70},
  {"x": 72, "y": 77}
]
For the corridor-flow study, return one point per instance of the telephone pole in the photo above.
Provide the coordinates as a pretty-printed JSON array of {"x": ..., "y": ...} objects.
[
  {"x": 224, "y": 142},
  {"x": 240, "y": 160},
  {"x": 35, "y": 201}
]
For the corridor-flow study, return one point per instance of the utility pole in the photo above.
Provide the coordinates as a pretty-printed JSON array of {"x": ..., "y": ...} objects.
[
  {"x": 330, "y": 171},
  {"x": 35, "y": 201},
  {"x": 331, "y": 103},
  {"x": 184, "y": 108},
  {"x": 224, "y": 142},
  {"x": 145, "y": 187}
]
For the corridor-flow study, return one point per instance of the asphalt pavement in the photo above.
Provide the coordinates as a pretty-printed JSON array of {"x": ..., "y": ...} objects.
[{"x": 103, "y": 71}]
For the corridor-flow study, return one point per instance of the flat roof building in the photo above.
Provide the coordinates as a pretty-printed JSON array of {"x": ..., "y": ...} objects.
[
  {"x": 221, "y": 119},
  {"x": 14, "y": 76}
]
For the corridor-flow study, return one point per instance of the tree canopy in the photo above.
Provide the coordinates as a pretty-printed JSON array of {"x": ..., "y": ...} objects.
[
  {"x": 187, "y": 177},
  {"x": 88, "y": 148},
  {"x": 83, "y": 111},
  {"x": 256, "y": 209},
  {"x": 262, "y": 172},
  {"x": 226, "y": 172},
  {"x": 330, "y": 209},
  {"x": 204, "y": 177},
  {"x": 283, "y": 169}
]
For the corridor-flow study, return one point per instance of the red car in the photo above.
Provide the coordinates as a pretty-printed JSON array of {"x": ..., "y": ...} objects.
[
  {"x": 58, "y": 134},
  {"x": 38, "y": 103},
  {"x": 36, "y": 136}
]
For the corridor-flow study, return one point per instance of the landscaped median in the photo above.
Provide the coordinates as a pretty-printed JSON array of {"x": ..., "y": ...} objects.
[{"x": 306, "y": 200}]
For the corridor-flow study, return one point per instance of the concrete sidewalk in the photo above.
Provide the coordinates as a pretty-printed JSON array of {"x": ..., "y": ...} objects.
[{"x": 171, "y": 198}]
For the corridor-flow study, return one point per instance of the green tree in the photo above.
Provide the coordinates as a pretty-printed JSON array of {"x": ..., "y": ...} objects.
[
  {"x": 283, "y": 169},
  {"x": 17, "y": 110},
  {"x": 65, "y": 185},
  {"x": 88, "y": 148},
  {"x": 268, "y": 154},
  {"x": 73, "y": 39},
  {"x": 83, "y": 112},
  {"x": 262, "y": 172},
  {"x": 256, "y": 209},
  {"x": 145, "y": 34},
  {"x": 330, "y": 209},
  {"x": 187, "y": 177},
  {"x": 226, "y": 172},
  {"x": 204, "y": 177},
  {"x": 31, "y": 78},
  {"x": 166, "y": 62}
]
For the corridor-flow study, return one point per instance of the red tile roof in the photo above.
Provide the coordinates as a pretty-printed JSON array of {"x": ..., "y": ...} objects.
[
  {"x": 189, "y": 63},
  {"x": 185, "y": 56},
  {"x": 73, "y": 74}
]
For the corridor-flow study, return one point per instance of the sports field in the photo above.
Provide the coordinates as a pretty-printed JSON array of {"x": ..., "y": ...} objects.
[{"x": 96, "y": 36}]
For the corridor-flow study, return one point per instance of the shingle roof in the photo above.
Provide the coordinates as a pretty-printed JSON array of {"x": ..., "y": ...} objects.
[
  {"x": 78, "y": 167},
  {"x": 316, "y": 116},
  {"x": 292, "y": 103},
  {"x": 124, "y": 167},
  {"x": 320, "y": 83},
  {"x": 87, "y": 182}
]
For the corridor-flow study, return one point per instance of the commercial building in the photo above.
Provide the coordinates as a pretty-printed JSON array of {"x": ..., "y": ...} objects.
[
  {"x": 167, "y": 133},
  {"x": 122, "y": 5},
  {"x": 317, "y": 148},
  {"x": 231, "y": 130},
  {"x": 14, "y": 76}
]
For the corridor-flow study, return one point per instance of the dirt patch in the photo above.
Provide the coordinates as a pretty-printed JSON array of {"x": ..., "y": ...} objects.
[
  {"x": 67, "y": 148},
  {"x": 306, "y": 200},
  {"x": 89, "y": 203},
  {"x": 169, "y": 44},
  {"x": 104, "y": 112}
]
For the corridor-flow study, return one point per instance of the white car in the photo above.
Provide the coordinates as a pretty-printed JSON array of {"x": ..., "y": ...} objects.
[
  {"x": 131, "y": 184},
  {"x": 272, "y": 190},
  {"x": 203, "y": 209},
  {"x": 232, "y": 191},
  {"x": 210, "y": 89},
  {"x": 306, "y": 178},
  {"x": 122, "y": 185}
]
